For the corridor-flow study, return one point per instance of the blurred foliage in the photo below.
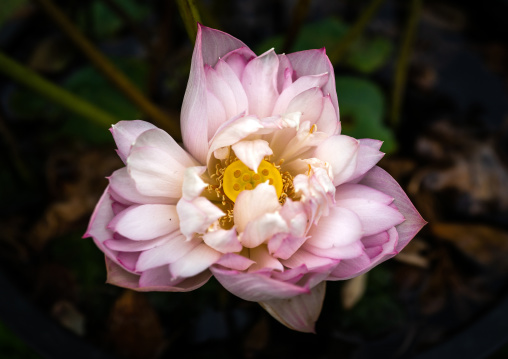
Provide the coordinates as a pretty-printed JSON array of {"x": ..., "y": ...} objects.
[
  {"x": 11, "y": 347},
  {"x": 107, "y": 22},
  {"x": 366, "y": 55},
  {"x": 362, "y": 106},
  {"x": 9, "y": 7},
  {"x": 90, "y": 85}
]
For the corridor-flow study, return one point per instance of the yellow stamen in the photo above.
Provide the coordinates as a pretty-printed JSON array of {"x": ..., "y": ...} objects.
[{"x": 238, "y": 177}]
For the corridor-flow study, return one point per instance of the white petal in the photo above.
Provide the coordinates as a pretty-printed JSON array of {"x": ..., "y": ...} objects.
[
  {"x": 193, "y": 185},
  {"x": 262, "y": 228},
  {"x": 197, "y": 260},
  {"x": 197, "y": 215},
  {"x": 224, "y": 241},
  {"x": 251, "y": 153}
]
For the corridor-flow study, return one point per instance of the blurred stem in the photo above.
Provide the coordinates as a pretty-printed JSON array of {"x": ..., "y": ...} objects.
[
  {"x": 107, "y": 68},
  {"x": 299, "y": 13},
  {"x": 337, "y": 54},
  {"x": 19, "y": 165},
  {"x": 403, "y": 59},
  {"x": 54, "y": 93},
  {"x": 190, "y": 16}
]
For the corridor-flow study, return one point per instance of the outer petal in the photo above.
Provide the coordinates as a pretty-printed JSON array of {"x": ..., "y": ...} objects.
[
  {"x": 170, "y": 252},
  {"x": 197, "y": 260},
  {"x": 124, "y": 187},
  {"x": 298, "y": 313},
  {"x": 255, "y": 286},
  {"x": 328, "y": 121},
  {"x": 126, "y": 132},
  {"x": 382, "y": 181},
  {"x": 210, "y": 45}
]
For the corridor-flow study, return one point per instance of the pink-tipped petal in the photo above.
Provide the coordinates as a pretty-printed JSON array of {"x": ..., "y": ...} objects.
[
  {"x": 379, "y": 179},
  {"x": 146, "y": 221},
  {"x": 235, "y": 261},
  {"x": 259, "y": 79},
  {"x": 302, "y": 84},
  {"x": 160, "y": 279},
  {"x": 98, "y": 226},
  {"x": 255, "y": 287},
  {"x": 285, "y": 73},
  {"x": 314, "y": 62},
  {"x": 126, "y": 132},
  {"x": 124, "y": 188},
  {"x": 263, "y": 260},
  {"x": 128, "y": 245},
  {"x": 300, "y": 312}
]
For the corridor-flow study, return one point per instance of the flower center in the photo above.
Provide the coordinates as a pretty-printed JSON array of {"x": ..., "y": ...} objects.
[{"x": 239, "y": 177}]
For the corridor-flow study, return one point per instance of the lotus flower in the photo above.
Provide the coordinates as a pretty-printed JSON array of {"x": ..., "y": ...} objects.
[{"x": 266, "y": 194}]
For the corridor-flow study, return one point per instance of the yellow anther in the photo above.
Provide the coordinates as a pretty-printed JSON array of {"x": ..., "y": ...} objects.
[
  {"x": 238, "y": 177},
  {"x": 313, "y": 128}
]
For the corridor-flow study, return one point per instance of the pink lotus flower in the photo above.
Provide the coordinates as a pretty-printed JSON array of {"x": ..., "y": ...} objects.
[{"x": 267, "y": 195}]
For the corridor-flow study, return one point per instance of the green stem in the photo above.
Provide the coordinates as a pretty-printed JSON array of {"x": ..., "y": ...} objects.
[
  {"x": 54, "y": 93},
  {"x": 190, "y": 17},
  {"x": 403, "y": 62},
  {"x": 337, "y": 54}
]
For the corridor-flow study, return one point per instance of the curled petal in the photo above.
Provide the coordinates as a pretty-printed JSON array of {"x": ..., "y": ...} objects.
[
  {"x": 262, "y": 228},
  {"x": 341, "y": 153},
  {"x": 300, "y": 312},
  {"x": 193, "y": 185}
]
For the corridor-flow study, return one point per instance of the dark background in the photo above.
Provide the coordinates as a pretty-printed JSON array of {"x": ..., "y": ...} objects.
[{"x": 444, "y": 296}]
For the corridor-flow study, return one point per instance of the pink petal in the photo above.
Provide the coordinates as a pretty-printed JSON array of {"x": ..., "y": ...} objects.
[
  {"x": 349, "y": 268},
  {"x": 128, "y": 260},
  {"x": 309, "y": 103},
  {"x": 126, "y": 132},
  {"x": 348, "y": 251},
  {"x": 341, "y": 153},
  {"x": 216, "y": 114},
  {"x": 124, "y": 187},
  {"x": 368, "y": 156},
  {"x": 262, "y": 228},
  {"x": 311, "y": 261},
  {"x": 348, "y": 191},
  {"x": 146, "y": 221},
  {"x": 235, "y": 261},
  {"x": 300, "y": 312},
  {"x": 210, "y": 45},
  {"x": 314, "y": 62},
  {"x": 255, "y": 286},
  {"x": 238, "y": 59},
  {"x": 197, "y": 215},
  {"x": 98, "y": 226},
  {"x": 194, "y": 262},
  {"x": 254, "y": 203},
  {"x": 176, "y": 248},
  {"x": 193, "y": 185},
  {"x": 263, "y": 259},
  {"x": 328, "y": 122},
  {"x": 251, "y": 153},
  {"x": 159, "y": 139},
  {"x": 285, "y": 73},
  {"x": 302, "y": 84},
  {"x": 224, "y": 241},
  {"x": 127, "y": 245},
  {"x": 375, "y": 217},
  {"x": 259, "y": 79},
  {"x": 155, "y": 172},
  {"x": 382, "y": 181},
  {"x": 340, "y": 228},
  {"x": 159, "y": 279}
]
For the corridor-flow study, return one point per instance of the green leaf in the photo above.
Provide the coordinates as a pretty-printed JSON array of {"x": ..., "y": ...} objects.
[
  {"x": 90, "y": 85},
  {"x": 365, "y": 55},
  {"x": 107, "y": 22},
  {"x": 362, "y": 107}
]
